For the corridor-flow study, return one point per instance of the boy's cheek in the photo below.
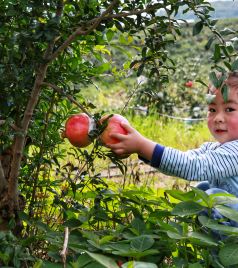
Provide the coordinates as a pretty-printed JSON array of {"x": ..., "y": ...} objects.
[{"x": 209, "y": 123}]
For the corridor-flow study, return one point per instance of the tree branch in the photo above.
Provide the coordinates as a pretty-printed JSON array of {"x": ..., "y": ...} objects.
[
  {"x": 3, "y": 181},
  {"x": 80, "y": 31},
  {"x": 60, "y": 91},
  {"x": 131, "y": 13},
  {"x": 18, "y": 145},
  {"x": 63, "y": 253}
]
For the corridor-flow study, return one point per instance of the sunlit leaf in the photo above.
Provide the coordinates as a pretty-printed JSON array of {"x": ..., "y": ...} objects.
[
  {"x": 187, "y": 208},
  {"x": 137, "y": 264},
  {"x": 104, "y": 260},
  {"x": 228, "y": 212},
  {"x": 212, "y": 224},
  {"x": 142, "y": 243}
]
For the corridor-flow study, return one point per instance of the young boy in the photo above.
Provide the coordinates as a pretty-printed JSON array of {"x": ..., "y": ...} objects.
[{"x": 214, "y": 163}]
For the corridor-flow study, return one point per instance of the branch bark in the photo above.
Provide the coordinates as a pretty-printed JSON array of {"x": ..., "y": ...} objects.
[
  {"x": 19, "y": 139},
  {"x": 3, "y": 181},
  {"x": 81, "y": 30},
  {"x": 69, "y": 97}
]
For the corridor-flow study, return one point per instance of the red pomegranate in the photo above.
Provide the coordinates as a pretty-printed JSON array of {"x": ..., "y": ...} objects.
[
  {"x": 113, "y": 126},
  {"x": 189, "y": 83},
  {"x": 77, "y": 129}
]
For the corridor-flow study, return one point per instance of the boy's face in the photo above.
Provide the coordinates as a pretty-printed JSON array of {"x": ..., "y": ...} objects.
[{"x": 222, "y": 117}]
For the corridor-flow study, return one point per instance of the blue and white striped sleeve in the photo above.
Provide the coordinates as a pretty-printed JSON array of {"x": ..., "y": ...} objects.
[{"x": 207, "y": 163}]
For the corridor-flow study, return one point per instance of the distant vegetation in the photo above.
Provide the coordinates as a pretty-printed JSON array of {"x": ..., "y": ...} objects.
[
  {"x": 193, "y": 62},
  {"x": 223, "y": 9}
]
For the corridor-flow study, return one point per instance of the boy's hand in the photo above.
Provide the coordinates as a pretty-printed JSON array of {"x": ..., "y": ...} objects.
[{"x": 131, "y": 143}]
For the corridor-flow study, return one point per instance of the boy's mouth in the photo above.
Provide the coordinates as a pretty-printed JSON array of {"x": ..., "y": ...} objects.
[{"x": 220, "y": 130}]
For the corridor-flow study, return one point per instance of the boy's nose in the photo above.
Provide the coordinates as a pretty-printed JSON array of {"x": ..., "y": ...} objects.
[{"x": 219, "y": 118}]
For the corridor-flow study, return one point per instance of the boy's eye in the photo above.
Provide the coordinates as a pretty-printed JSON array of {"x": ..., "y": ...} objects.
[
  {"x": 229, "y": 109},
  {"x": 211, "y": 110}
]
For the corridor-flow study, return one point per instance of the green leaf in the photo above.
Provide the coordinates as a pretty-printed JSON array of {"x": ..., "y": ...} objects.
[
  {"x": 72, "y": 223},
  {"x": 228, "y": 212},
  {"x": 212, "y": 224},
  {"x": 217, "y": 53},
  {"x": 234, "y": 65},
  {"x": 225, "y": 92},
  {"x": 138, "y": 226},
  {"x": 38, "y": 264},
  {"x": 227, "y": 64},
  {"x": 213, "y": 78},
  {"x": 209, "y": 43},
  {"x": 104, "y": 260},
  {"x": 136, "y": 254},
  {"x": 227, "y": 31},
  {"x": 228, "y": 255},
  {"x": 47, "y": 264},
  {"x": 180, "y": 195},
  {"x": 174, "y": 235},
  {"x": 109, "y": 35},
  {"x": 197, "y": 28},
  {"x": 139, "y": 264},
  {"x": 223, "y": 198},
  {"x": 103, "y": 68},
  {"x": 82, "y": 261},
  {"x": 187, "y": 208},
  {"x": 202, "y": 239},
  {"x": 195, "y": 265},
  {"x": 142, "y": 243}
]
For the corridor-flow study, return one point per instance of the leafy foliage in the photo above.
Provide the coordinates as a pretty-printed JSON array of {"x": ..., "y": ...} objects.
[{"x": 51, "y": 51}]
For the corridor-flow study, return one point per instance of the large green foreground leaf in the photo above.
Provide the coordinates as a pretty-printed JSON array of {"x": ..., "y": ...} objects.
[{"x": 229, "y": 255}]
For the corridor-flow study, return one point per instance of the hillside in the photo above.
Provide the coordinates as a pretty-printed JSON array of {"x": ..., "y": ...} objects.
[{"x": 223, "y": 9}]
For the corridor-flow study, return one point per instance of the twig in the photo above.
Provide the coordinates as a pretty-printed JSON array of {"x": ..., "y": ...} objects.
[
  {"x": 60, "y": 91},
  {"x": 63, "y": 252},
  {"x": 14, "y": 127},
  {"x": 130, "y": 97}
]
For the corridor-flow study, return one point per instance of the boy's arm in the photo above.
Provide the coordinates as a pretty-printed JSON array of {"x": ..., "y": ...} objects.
[
  {"x": 133, "y": 142},
  {"x": 213, "y": 164},
  {"x": 206, "y": 163}
]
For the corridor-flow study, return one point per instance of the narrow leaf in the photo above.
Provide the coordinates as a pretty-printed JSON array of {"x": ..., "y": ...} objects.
[
  {"x": 197, "y": 27},
  {"x": 225, "y": 92},
  {"x": 213, "y": 78}
]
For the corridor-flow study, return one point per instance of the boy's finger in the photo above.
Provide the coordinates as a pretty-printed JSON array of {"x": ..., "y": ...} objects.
[
  {"x": 118, "y": 136},
  {"x": 127, "y": 127}
]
